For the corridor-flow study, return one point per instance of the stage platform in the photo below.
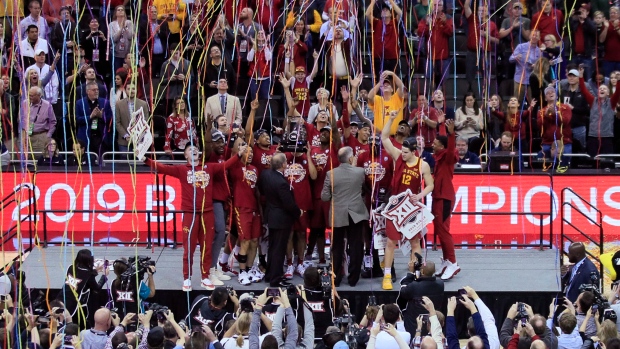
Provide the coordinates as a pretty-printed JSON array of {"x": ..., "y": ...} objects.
[{"x": 486, "y": 270}]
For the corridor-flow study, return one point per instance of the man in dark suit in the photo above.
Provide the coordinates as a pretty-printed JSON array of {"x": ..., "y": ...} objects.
[
  {"x": 154, "y": 40},
  {"x": 347, "y": 213},
  {"x": 413, "y": 288},
  {"x": 281, "y": 212},
  {"x": 579, "y": 272},
  {"x": 93, "y": 117}
]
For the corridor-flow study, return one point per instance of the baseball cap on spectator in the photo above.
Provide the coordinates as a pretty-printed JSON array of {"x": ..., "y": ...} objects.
[
  {"x": 5, "y": 284},
  {"x": 573, "y": 72},
  {"x": 404, "y": 122},
  {"x": 364, "y": 124},
  {"x": 155, "y": 338},
  {"x": 216, "y": 135},
  {"x": 325, "y": 128},
  {"x": 38, "y": 52},
  {"x": 259, "y": 133},
  {"x": 300, "y": 69}
]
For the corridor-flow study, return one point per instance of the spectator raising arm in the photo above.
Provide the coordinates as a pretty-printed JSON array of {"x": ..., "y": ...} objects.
[{"x": 487, "y": 318}]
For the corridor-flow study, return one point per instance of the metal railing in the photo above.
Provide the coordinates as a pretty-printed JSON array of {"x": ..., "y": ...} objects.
[
  {"x": 128, "y": 158},
  {"x": 597, "y": 223},
  {"x": 32, "y": 157}
]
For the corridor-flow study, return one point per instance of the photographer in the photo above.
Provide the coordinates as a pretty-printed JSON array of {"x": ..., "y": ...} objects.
[
  {"x": 413, "y": 288},
  {"x": 389, "y": 330},
  {"x": 603, "y": 331},
  {"x": 487, "y": 318},
  {"x": 214, "y": 310},
  {"x": 514, "y": 341},
  {"x": 291, "y": 323},
  {"x": 430, "y": 325},
  {"x": 522, "y": 312},
  {"x": 80, "y": 282},
  {"x": 389, "y": 315},
  {"x": 480, "y": 341},
  {"x": 320, "y": 301},
  {"x": 569, "y": 337},
  {"x": 126, "y": 296}
]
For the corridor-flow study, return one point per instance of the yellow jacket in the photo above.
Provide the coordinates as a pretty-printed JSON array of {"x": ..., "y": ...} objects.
[{"x": 168, "y": 7}]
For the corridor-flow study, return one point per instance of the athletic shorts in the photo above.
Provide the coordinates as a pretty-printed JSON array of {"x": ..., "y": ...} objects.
[{"x": 247, "y": 222}]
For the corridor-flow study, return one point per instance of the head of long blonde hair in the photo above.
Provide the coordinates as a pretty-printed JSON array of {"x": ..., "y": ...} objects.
[{"x": 243, "y": 326}]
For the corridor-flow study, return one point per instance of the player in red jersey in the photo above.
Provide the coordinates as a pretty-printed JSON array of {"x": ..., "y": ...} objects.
[
  {"x": 409, "y": 171},
  {"x": 299, "y": 172},
  {"x": 324, "y": 159},
  {"x": 260, "y": 141},
  {"x": 246, "y": 212},
  {"x": 197, "y": 204}
]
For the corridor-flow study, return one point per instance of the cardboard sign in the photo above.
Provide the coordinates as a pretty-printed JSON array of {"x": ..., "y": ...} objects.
[
  {"x": 140, "y": 133},
  {"x": 408, "y": 217}
]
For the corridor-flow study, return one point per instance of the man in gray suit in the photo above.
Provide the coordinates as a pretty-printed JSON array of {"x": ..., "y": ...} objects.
[
  {"x": 348, "y": 214},
  {"x": 124, "y": 109}
]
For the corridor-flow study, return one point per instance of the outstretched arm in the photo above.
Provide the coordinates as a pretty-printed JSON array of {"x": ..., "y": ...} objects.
[{"x": 385, "y": 137}]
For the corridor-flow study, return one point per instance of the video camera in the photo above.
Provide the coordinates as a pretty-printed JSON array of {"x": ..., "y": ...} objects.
[
  {"x": 136, "y": 266},
  {"x": 417, "y": 265},
  {"x": 294, "y": 140},
  {"x": 599, "y": 299},
  {"x": 160, "y": 310},
  {"x": 326, "y": 282},
  {"x": 347, "y": 321}
]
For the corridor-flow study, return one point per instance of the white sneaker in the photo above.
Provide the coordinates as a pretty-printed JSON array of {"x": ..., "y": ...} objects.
[
  {"x": 289, "y": 272},
  {"x": 300, "y": 270},
  {"x": 442, "y": 267},
  {"x": 187, "y": 285},
  {"x": 218, "y": 273},
  {"x": 308, "y": 264},
  {"x": 451, "y": 270},
  {"x": 256, "y": 275},
  {"x": 207, "y": 284},
  {"x": 244, "y": 278},
  {"x": 214, "y": 280}
]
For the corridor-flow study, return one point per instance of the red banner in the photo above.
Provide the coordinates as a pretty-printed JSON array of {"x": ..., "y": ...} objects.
[{"x": 102, "y": 207}]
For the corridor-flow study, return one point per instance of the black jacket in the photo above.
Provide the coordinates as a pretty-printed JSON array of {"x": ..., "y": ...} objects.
[
  {"x": 281, "y": 209},
  {"x": 582, "y": 277},
  {"x": 411, "y": 290},
  {"x": 146, "y": 39},
  {"x": 581, "y": 110},
  {"x": 589, "y": 33}
]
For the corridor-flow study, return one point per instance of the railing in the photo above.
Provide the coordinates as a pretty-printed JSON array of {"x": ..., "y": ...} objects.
[
  {"x": 13, "y": 198},
  {"x": 127, "y": 158},
  {"x": 32, "y": 157},
  {"x": 598, "y": 223}
]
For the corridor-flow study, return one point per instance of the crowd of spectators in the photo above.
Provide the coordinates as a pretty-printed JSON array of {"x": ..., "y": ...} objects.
[
  {"x": 66, "y": 71},
  {"x": 300, "y": 316}
]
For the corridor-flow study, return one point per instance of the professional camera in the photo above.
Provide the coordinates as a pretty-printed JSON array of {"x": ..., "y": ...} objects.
[
  {"x": 160, "y": 310},
  {"x": 347, "y": 323},
  {"x": 599, "y": 299},
  {"x": 136, "y": 266},
  {"x": 246, "y": 305},
  {"x": 294, "y": 140}
]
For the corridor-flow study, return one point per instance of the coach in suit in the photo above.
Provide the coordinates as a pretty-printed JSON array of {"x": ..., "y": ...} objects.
[
  {"x": 124, "y": 108},
  {"x": 223, "y": 103},
  {"x": 579, "y": 273},
  {"x": 281, "y": 212},
  {"x": 348, "y": 213}
]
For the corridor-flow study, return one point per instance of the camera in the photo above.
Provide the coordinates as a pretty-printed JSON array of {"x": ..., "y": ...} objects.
[
  {"x": 610, "y": 314},
  {"x": 372, "y": 301},
  {"x": 294, "y": 140},
  {"x": 138, "y": 266},
  {"x": 593, "y": 287},
  {"x": 326, "y": 282},
  {"x": 291, "y": 291},
  {"x": 67, "y": 340},
  {"x": 461, "y": 293},
  {"x": 160, "y": 310},
  {"x": 231, "y": 291},
  {"x": 522, "y": 315}
]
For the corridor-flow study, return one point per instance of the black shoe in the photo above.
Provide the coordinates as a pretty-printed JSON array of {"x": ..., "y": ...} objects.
[{"x": 366, "y": 273}]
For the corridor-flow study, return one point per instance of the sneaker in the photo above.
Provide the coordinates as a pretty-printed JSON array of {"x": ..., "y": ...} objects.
[
  {"x": 308, "y": 264},
  {"x": 244, "y": 278},
  {"x": 256, "y": 275},
  {"x": 226, "y": 269},
  {"x": 387, "y": 282},
  {"x": 218, "y": 273},
  {"x": 187, "y": 285},
  {"x": 562, "y": 169},
  {"x": 451, "y": 270},
  {"x": 300, "y": 270},
  {"x": 207, "y": 284},
  {"x": 289, "y": 272},
  {"x": 215, "y": 280},
  {"x": 442, "y": 267}
]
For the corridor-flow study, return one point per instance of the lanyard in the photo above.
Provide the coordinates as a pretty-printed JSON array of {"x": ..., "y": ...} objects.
[{"x": 38, "y": 111}]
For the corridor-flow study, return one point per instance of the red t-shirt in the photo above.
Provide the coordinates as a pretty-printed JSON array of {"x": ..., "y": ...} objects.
[
  {"x": 243, "y": 180},
  {"x": 396, "y": 145},
  {"x": 313, "y": 135},
  {"x": 378, "y": 168},
  {"x": 407, "y": 177},
  {"x": 358, "y": 147},
  {"x": 196, "y": 182},
  {"x": 385, "y": 39},
  {"x": 299, "y": 177},
  {"x": 474, "y": 41},
  {"x": 549, "y": 23},
  {"x": 428, "y": 133},
  {"x": 221, "y": 192},
  {"x": 262, "y": 158},
  {"x": 324, "y": 160}
]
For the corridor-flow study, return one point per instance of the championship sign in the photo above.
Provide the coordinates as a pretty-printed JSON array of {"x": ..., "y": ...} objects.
[
  {"x": 408, "y": 217},
  {"x": 140, "y": 133}
]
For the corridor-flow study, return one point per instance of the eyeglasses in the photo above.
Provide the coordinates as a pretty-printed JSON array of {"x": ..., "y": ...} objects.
[{"x": 517, "y": 8}]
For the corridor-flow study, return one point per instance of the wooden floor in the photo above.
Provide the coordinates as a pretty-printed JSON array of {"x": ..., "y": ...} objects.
[{"x": 489, "y": 270}]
